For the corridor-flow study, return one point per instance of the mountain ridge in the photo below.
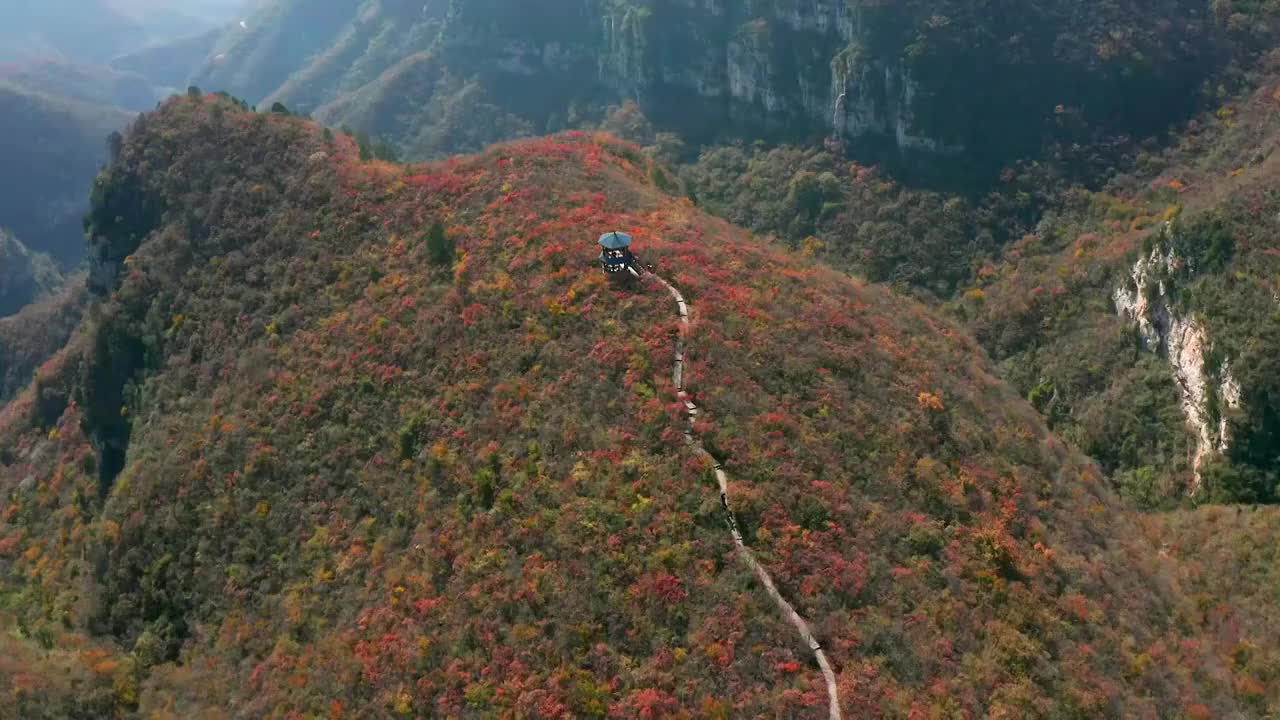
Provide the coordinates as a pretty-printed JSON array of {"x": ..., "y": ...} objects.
[{"x": 485, "y": 506}]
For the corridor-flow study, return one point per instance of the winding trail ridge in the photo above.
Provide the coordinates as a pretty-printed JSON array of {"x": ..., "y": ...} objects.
[{"x": 748, "y": 557}]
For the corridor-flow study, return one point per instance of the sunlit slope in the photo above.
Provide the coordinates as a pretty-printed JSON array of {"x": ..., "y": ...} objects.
[{"x": 320, "y": 461}]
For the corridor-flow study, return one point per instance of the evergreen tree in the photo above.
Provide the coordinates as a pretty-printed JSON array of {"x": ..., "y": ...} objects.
[{"x": 439, "y": 247}]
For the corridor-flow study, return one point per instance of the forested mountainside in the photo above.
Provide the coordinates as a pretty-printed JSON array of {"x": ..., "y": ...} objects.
[
  {"x": 1144, "y": 320},
  {"x": 52, "y": 148},
  {"x": 947, "y": 91},
  {"x": 310, "y": 455},
  {"x": 24, "y": 275},
  {"x": 94, "y": 84},
  {"x": 36, "y": 332},
  {"x": 1224, "y": 562},
  {"x": 169, "y": 65}
]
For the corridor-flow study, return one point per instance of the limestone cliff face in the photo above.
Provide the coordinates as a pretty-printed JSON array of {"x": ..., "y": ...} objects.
[
  {"x": 1183, "y": 339},
  {"x": 930, "y": 79},
  {"x": 789, "y": 69}
]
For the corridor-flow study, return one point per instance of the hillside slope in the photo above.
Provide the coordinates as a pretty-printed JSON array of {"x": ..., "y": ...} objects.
[
  {"x": 91, "y": 84},
  {"x": 1226, "y": 563},
  {"x": 36, "y": 333},
  {"x": 52, "y": 147},
  {"x": 331, "y": 464},
  {"x": 169, "y": 65},
  {"x": 24, "y": 276},
  {"x": 1144, "y": 320}
]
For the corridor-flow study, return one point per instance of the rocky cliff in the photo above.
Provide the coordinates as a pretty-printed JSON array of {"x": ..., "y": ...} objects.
[
  {"x": 1182, "y": 339},
  {"x": 901, "y": 80}
]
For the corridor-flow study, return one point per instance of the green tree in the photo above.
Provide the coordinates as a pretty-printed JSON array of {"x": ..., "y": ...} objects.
[{"x": 439, "y": 247}]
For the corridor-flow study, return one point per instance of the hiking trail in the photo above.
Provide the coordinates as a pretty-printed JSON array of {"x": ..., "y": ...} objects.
[{"x": 748, "y": 557}]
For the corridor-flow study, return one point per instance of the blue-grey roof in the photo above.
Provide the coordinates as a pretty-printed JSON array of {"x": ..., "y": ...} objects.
[{"x": 615, "y": 241}]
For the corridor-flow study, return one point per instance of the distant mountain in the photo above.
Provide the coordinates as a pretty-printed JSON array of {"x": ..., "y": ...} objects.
[
  {"x": 92, "y": 84},
  {"x": 80, "y": 30},
  {"x": 165, "y": 20},
  {"x": 96, "y": 31},
  {"x": 52, "y": 148},
  {"x": 169, "y": 66},
  {"x": 25, "y": 276}
]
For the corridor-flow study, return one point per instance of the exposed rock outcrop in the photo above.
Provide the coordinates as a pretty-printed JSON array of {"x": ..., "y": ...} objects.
[{"x": 1182, "y": 338}]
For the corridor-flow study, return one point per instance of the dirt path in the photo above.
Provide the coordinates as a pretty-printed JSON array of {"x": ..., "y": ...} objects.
[{"x": 748, "y": 557}]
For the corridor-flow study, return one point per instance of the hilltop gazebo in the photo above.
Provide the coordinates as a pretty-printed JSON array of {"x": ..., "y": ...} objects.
[{"x": 615, "y": 254}]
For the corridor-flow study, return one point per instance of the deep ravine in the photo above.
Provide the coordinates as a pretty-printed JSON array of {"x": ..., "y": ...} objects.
[{"x": 748, "y": 557}]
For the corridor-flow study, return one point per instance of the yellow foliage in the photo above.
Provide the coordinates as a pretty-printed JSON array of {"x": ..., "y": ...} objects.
[
  {"x": 293, "y": 607},
  {"x": 263, "y": 509},
  {"x": 811, "y": 246},
  {"x": 126, "y": 688},
  {"x": 554, "y": 306}
]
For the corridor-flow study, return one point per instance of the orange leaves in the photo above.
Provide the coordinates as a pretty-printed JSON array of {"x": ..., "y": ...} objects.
[{"x": 930, "y": 401}]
